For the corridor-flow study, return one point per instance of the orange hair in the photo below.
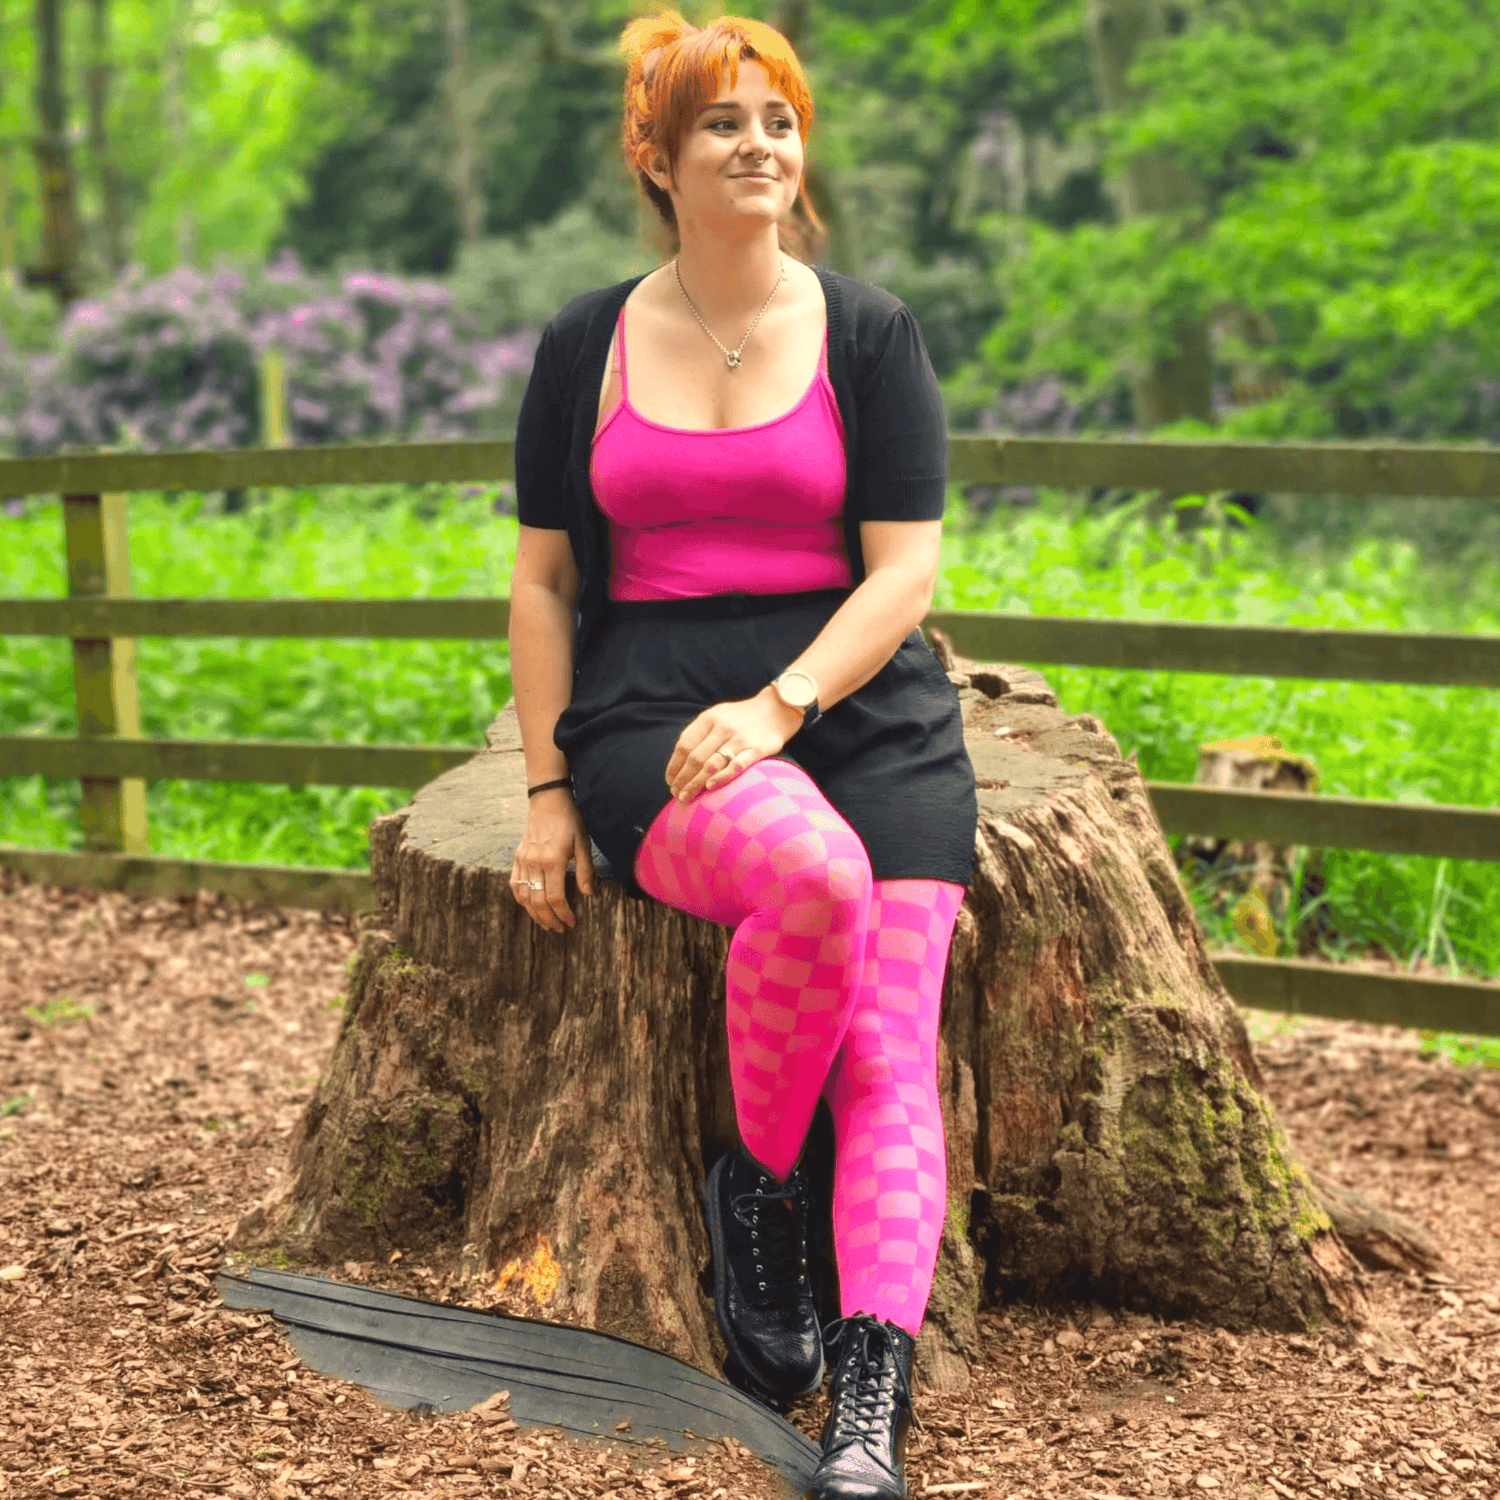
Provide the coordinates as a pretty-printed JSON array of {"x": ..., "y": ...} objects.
[{"x": 674, "y": 70}]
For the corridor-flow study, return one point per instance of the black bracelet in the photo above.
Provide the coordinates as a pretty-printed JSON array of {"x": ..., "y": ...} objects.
[{"x": 547, "y": 786}]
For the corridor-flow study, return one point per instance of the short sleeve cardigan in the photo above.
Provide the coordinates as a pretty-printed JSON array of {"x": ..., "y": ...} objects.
[{"x": 895, "y": 434}]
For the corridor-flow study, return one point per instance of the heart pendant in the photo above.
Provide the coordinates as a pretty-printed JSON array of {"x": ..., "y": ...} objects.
[{"x": 732, "y": 359}]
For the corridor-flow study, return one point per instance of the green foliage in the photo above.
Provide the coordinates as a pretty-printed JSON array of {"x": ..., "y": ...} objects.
[
  {"x": 544, "y": 89},
  {"x": 58, "y": 1010},
  {"x": 1349, "y": 158},
  {"x": 256, "y": 115},
  {"x": 370, "y": 541},
  {"x": 508, "y": 284},
  {"x": 1371, "y": 740},
  {"x": 1380, "y": 740}
]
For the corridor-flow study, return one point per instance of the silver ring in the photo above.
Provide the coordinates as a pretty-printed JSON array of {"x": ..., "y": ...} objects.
[
  {"x": 537, "y": 885},
  {"x": 728, "y": 759}
]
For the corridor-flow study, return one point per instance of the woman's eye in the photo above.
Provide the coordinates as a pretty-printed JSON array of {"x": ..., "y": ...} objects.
[{"x": 725, "y": 120}]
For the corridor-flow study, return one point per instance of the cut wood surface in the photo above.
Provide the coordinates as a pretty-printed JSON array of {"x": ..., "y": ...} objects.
[{"x": 550, "y": 1103}]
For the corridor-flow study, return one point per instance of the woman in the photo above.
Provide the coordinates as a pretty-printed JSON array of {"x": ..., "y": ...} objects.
[{"x": 719, "y": 677}]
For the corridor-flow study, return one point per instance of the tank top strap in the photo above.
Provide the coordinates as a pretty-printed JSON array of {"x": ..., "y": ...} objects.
[{"x": 620, "y": 350}]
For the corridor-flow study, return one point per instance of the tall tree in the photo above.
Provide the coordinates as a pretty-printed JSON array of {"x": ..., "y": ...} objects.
[
  {"x": 174, "y": 118},
  {"x": 1178, "y": 382},
  {"x": 461, "y": 111},
  {"x": 106, "y": 170},
  {"x": 7, "y": 228},
  {"x": 54, "y": 163}
]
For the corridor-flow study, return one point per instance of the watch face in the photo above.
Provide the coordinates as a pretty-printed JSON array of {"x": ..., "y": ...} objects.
[{"x": 797, "y": 691}]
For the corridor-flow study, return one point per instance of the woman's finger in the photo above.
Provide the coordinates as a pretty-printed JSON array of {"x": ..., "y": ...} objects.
[
  {"x": 530, "y": 890},
  {"x": 738, "y": 764},
  {"x": 556, "y": 896},
  {"x": 699, "y": 766},
  {"x": 692, "y": 767},
  {"x": 583, "y": 859},
  {"x": 714, "y": 764},
  {"x": 688, "y": 741}
]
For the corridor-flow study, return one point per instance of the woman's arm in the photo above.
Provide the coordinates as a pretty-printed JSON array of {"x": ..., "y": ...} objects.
[
  {"x": 901, "y": 560},
  {"x": 544, "y": 584}
]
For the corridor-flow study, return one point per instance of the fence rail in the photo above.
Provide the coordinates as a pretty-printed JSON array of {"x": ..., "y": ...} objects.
[
  {"x": 1435, "y": 830},
  {"x": 1170, "y": 646},
  {"x": 1350, "y": 470},
  {"x": 114, "y": 760}
]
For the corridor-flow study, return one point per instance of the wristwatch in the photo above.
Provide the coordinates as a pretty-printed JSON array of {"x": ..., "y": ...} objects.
[{"x": 799, "y": 689}]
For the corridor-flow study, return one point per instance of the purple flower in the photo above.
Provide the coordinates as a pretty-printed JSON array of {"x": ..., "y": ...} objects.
[{"x": 173, "y": 362}]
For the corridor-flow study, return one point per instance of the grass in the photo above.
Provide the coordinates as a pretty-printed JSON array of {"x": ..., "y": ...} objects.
[
  {"x": 373, "y": 541},
  {"x": 1060, "y": 557},
  {"x": 60, "y": 1008}
]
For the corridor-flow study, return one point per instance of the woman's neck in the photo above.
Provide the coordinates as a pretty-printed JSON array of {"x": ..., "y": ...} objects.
[{"x": 726, "y": 280}]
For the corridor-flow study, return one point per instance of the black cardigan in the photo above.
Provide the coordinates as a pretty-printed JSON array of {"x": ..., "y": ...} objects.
[{"x": 895, "y": 433}]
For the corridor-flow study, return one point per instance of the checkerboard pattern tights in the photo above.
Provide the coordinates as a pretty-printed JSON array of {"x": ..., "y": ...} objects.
[{"x": 833, "y": 985}]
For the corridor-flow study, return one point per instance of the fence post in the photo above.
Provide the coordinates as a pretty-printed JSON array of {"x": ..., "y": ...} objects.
[
  {"x": 273, "y": 399},
  {"x": 114, "y": 811}
]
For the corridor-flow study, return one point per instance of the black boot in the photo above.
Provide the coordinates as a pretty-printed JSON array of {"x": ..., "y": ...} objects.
[
  {"x": 762, "y": 1295},
  {"x": 864, "y": 1442}
]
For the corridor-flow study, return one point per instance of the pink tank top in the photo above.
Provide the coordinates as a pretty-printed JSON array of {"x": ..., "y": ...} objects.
[{"x": 724, "y": 510}]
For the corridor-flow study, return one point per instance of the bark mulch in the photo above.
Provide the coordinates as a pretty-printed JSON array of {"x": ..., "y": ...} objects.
[{"x": 154, "y": 1056}]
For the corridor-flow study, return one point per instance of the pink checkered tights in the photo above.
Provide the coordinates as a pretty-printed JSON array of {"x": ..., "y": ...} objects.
[{"x": 833, "y": 986}]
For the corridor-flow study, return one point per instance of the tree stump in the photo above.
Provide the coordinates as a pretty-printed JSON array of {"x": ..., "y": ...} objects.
[
  {"x": 543, "y": 1108},
  {"x": 1254, "y": 877}
]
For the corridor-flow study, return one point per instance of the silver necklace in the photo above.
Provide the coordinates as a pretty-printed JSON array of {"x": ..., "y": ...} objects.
[{"x": 731, "y": 356}]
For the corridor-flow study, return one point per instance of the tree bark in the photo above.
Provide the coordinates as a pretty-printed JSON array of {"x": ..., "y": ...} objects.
[
  {"x": 461, "y": 117},
  {"x": 174, "y": 117},
  {"x": 1179, "y": 383},
  {"x": 111, "y": 193},
  {"x": 8, "y": 260},
  {"x": 54, "y": 163},
  {"x": 543, "y": 1108}
]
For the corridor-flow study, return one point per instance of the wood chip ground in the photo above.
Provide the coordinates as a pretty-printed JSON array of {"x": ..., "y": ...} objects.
[{"x": 170, "y": 1046}]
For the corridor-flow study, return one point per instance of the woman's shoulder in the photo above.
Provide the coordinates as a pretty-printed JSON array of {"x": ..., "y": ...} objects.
[
  {"x": 571, "y": 324},
  {"x": 861, "y": 294},
  {"x": 863, "y": 311}
]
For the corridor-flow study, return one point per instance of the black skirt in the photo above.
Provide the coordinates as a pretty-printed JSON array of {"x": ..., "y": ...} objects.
[{"x": 890, "y": 757}]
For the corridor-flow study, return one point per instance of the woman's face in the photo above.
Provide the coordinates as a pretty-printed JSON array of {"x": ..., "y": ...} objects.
[{"x": 749, "y": 129}]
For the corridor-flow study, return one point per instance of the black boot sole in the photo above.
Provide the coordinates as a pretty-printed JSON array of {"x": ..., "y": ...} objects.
[{"x": 737, "y": 1369}]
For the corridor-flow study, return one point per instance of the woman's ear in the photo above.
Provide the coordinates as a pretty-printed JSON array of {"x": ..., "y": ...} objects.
[{"x": 654, "y": 165}]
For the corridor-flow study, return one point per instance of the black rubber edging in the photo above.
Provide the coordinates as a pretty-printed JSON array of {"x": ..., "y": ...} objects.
[{"x": 425, "y": 1356}]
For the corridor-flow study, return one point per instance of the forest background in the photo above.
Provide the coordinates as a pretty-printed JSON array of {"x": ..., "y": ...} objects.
[
  {"x": 1323, "y": 180},
  {"x": 1279, "y": 222}
]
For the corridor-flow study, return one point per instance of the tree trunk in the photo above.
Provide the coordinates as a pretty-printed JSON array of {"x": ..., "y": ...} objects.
[
  {"x": 54, "y": 163},
  {"x": 8, "y": 258},
  {"x": 1180, "y": 383},
  {"x": 543, "y": 1108},
  {"x": 111, "y": 194},
  {"x": 174, "y": 118},
  {"x": 461, "y": 117}
]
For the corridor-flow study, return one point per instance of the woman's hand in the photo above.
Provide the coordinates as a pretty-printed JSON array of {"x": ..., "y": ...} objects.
[
  {"x": 727, "y": 739},
  {"x": 538, "y": 875}
]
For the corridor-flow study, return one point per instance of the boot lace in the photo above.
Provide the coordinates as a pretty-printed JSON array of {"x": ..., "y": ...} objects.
[
  {"x": 868, "y": 1378},
  {"x": 778, "y": 1239}
]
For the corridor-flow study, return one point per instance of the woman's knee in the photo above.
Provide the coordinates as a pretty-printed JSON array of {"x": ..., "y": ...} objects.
[{"x": 819, "y": 871}]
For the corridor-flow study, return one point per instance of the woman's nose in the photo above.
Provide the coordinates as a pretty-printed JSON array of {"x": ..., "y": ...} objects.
[{"x": 758, "y": 143}]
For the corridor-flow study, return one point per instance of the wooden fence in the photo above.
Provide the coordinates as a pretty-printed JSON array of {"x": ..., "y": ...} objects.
[{"x": 114, "y": 761}]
